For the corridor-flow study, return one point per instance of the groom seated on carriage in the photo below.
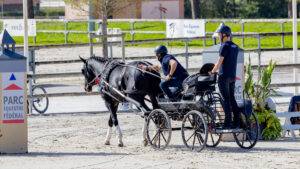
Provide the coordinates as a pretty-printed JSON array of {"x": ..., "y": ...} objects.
[{"x": 172, "y": 69}]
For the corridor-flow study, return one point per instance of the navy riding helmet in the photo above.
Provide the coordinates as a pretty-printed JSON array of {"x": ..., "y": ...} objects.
[
  {"x": 161, "y": 49},
  {"x": 225, "y": 30}
]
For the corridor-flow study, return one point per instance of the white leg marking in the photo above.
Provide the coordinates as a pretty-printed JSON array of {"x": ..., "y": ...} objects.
[
  {"x": 108, "y": 136},
  {"x": 119, "y": 135}
]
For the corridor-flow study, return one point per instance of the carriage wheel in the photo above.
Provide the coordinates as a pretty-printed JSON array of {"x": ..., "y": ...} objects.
[
  {"x": 213, "y": 119},
  {"x": 158, "y": 129},
  {"x": 248, "y": 138},
  {"x": 194, "y": 131},
  {"x": 41, "y": 103}
]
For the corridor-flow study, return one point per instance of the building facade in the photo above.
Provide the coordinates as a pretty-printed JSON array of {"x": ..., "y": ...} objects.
[
  {"x": 148, "y": 9},
  {"x": 14, "y": 5}
]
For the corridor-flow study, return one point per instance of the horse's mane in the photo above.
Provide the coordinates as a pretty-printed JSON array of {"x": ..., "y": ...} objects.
[{"x": 101, "y": 59}]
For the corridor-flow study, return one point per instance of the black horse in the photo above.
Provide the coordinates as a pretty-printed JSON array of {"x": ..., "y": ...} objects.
[{"x": 126, "y": 78}]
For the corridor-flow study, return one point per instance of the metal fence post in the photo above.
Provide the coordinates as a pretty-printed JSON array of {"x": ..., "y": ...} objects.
[
  {"x": 30, "y": 88},
  {"x": 204, "y": 39},
  {"x": 186, "y": 53},
  {"x": 132, "y": 33},
  {"x": 31, "y": 63},
  {"x": 110, "y": 50},
  {"x": 259, "y": 56},
  {"x": 123, "y": 46},
  {"x": 32, "y": 66},
  {"x": 282, "y": 36},
  {"x": 91, "y": 44},
  {"x": 66, "y": 32},
  {"x": 243, "y": 31},
  {"x": 34, "y": 40}
]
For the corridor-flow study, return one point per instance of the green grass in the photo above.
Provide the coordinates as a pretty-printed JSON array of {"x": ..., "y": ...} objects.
[{"x": 266, "y": 42}]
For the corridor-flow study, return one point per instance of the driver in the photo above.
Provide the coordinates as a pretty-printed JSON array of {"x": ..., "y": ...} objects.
[
  {"x": 172, "y": 69},
  {"x": 226, "y": 65}
]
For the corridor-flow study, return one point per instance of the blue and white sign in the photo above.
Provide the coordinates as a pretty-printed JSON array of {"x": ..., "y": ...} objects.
[
  {"x": 15, "y": 27},
  {"x": 176, "y": 28},
  {"x": 13, "y": 97}
]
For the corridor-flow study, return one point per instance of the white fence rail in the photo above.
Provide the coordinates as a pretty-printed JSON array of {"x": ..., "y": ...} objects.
[{"x": 287, "y": 126}]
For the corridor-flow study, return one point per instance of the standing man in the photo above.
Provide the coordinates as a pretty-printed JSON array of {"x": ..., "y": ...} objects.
[
  {"x": 172, "y": 69},
  {"x": 226, "y": 65}
]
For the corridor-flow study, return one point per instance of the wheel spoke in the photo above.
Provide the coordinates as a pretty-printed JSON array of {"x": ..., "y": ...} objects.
[
  {"x": 190, "y": 137},
  {"x": 159, "y": 140},
  {"x": 194, "y": 141},
  {"x": 198, "y": 139},
  {"x": 243, "y": 139},
  {"x": 156, "y": 125},
  {"x": 249, "y": 138},
  {"x": 162, "y": 134},
  {"x": 155, "y": 136},
  {"x": 190, "y": 121},
  {"x": 212, "y": 138}
]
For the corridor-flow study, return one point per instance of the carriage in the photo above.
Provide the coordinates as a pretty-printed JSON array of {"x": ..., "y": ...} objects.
[
  {"x": 198, "y": 109},
  {"x": 200, "y": 112}
]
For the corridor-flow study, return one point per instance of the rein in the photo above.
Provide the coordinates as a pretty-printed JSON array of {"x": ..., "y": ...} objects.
[{"x": 144, "y": 71}]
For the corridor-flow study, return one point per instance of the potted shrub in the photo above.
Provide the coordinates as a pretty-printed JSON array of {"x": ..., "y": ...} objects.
[{"x": 258, "y": 92}]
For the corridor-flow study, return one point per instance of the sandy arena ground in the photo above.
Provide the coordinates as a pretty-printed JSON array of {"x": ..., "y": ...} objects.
[{"x": 76, "y": 142}]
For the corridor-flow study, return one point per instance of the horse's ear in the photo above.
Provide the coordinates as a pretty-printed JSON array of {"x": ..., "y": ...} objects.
[{"x": 83, "y": 60}]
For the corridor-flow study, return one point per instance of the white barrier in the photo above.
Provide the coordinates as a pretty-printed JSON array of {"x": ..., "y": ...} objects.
[{"x": 287, "y": 126}]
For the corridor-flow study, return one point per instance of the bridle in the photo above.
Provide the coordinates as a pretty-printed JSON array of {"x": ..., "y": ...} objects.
[{"x": 97, "y": 79}]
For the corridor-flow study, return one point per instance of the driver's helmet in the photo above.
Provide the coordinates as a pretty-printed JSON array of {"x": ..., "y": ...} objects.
[
  {"x": 224, "y": 29},
  {"x": 161, "y": 49}
]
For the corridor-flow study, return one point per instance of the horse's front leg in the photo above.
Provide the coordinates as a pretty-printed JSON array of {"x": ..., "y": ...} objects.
[
  {"x": 118, "y": 128},
  {"x": 113, "y": 107},
  {"x": 120, "y": 136},
  {"x": 109, "y": 131}
]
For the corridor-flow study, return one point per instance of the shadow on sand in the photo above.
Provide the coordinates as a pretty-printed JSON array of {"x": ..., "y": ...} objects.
[{"x": 59, "y": 154}]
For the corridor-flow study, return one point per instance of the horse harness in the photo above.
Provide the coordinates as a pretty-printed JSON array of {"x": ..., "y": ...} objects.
[{"x": 103, "y": 78}]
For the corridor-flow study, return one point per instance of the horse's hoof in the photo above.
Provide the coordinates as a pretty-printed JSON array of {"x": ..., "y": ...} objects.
[
  {"x": 121, "y": 145},
  {"x": 107, "y": 143},
  {"x": 145, "y": 143}
]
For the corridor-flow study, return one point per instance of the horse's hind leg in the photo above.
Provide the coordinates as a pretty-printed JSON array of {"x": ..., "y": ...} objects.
[
  {"x": 154, "y": 101},
  {"x": 118, "y": 129},
  {"x": 141, "y": 100}
]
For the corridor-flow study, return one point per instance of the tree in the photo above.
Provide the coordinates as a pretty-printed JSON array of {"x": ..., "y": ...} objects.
[
  {"x": 30, "y": 9},
  {"x": 290, "y": 9},
  {"x": 195, "y": 8},
  {"x": 103, "y": 9}
]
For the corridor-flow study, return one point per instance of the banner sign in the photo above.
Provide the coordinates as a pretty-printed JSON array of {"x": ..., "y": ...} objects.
[
  {"x": 13, "y": 97},
  {"x": 15, "y": 27},
  {"x": 178, "y": 28}
]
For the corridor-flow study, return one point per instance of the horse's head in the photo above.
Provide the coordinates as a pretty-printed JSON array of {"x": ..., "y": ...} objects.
[
  {"x": 89, "y": 75},
  {"x": 92, "y": 70}
]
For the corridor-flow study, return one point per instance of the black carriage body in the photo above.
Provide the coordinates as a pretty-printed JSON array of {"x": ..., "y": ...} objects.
[{"x": 197, "y": 84}]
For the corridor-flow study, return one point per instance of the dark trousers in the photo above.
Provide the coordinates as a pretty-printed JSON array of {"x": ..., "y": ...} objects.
[
  {"x": 226, "y": 87},
  {"x": 165, "y": 87}
]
